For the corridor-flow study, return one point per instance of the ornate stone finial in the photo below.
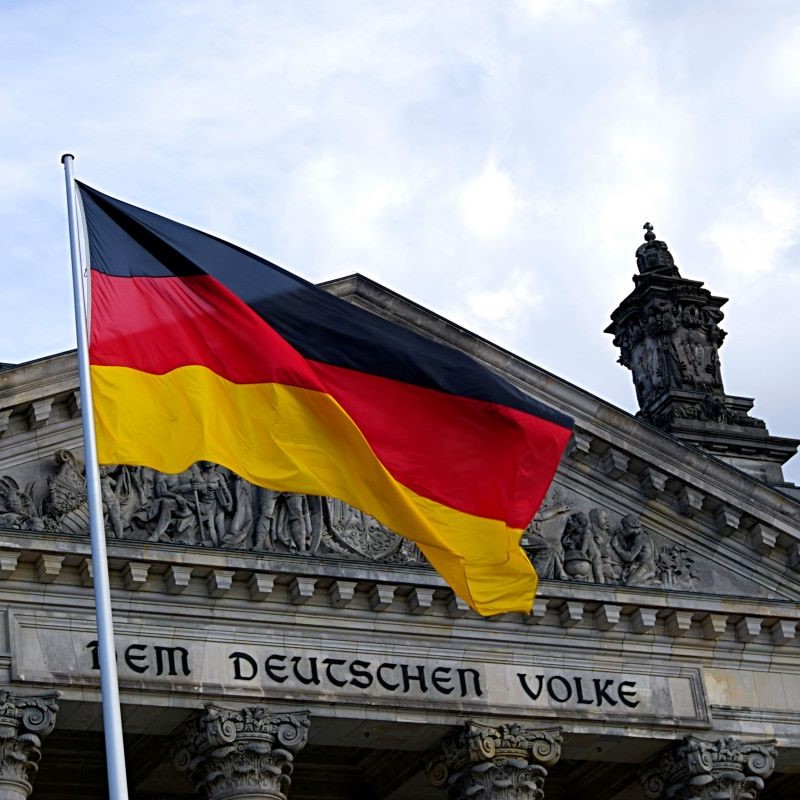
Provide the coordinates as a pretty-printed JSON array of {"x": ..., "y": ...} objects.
[
  {"x": 696, "y": 769},
  {"x": 654, "y": 255},
  {"x": 24, "y": 722},
  {"x": 244, "y": 753},
  {"x": 669, "y": 336},
  {"x": 505, "y": 763}
]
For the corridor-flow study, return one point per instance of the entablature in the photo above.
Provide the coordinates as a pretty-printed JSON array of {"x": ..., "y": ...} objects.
[{"x": 157, "y": 578}]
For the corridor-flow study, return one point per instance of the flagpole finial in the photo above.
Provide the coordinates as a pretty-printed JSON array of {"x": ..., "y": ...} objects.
[{"x": 66, "y": 156}]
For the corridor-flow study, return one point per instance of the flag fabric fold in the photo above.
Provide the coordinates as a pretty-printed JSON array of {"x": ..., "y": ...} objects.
[{"x": 200, "y": 350}]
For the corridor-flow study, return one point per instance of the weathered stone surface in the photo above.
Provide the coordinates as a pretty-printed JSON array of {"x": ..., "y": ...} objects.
[
  {"x": 24, "y": 723},
  {"x": 177, "y": 578},
  {"x": 570, "y": 538},
  {"x": 588, "y": 549},
  {"x": 727, "y": 519},
  {"x": 652, "y": 481},
  {"x": 506, "y": 762},
  {"x": 135, "y": 575},
  {"x": 247, "y": 753},
  {"x": 260, "y": 585},
  {"x": 697, "y": 769},
  {"x": 669, "y": 336},
  {"x": 655, "y": 660}
]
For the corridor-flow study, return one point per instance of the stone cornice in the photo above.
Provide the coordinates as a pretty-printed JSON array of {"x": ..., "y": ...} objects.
[
  {"x": 54, "y": 375},
  {"x": 682, "y": 470},
  {"x": 155, "y": 572}
]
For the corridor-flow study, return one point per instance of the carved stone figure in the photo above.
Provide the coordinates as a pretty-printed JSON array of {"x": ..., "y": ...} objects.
[
  {"x": 111, "y": 504},
  {"x": 17, "y": 510},
  {"x": 586, "y": 551},
  {"x": 168, "y": 509},
  {"x": 582, "y": 560},
  {"x": 213, "y": 500},
  {"x": 634, "y": 548},
  {"x": 288, "y": 522},
  {"x": 609, "y": 571},
  {"x": 546, "y": 552},
  {"x": 507, "y": 762},
  {"x": 240, "y": 528},
  {"x": 130, "y": 493},
  {"x": 66, "y": 505},
  {"x": 351, "y": 532}
]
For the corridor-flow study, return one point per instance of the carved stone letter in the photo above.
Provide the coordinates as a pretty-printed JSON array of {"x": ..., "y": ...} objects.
[
  {"x": 245, "y": 754},
  {"x": 503, "y": 763},
  {"x": 24, "y": 722},
  {"x": 696, "y": 769}
]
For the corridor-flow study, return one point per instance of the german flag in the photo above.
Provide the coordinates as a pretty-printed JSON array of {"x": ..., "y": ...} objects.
[{"x": 200, "y": 350}]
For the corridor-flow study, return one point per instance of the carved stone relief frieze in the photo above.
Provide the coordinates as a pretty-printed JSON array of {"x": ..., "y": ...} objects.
[
  {"x": 209, "y": 506},
  {"x": 567, "y": 543},
  {"x": 350, "y": 532},
  {"x": 206, "y": 505}
]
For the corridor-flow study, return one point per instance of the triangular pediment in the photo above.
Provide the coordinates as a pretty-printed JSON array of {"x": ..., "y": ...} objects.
[
  {"x": 634, "y": 506},
  {"x": 630, "y": 506}
]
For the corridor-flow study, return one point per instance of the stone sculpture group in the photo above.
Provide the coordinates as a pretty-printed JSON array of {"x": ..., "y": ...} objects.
[{"x": 209, "y": 506}]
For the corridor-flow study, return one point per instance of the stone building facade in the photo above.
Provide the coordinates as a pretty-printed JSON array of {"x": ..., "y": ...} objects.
[{"x": 281, "y": 646}]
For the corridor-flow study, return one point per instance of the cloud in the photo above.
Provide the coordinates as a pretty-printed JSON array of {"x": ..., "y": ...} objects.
[
  {"x": 488, "y": 203},
  {"x": 783, "y": 64},
  {"x": 504, "y": 304},
  {"x": 494, "y": 162},
  {"x": 754, "y": 231},
  {"x": 565, "y": 10}
]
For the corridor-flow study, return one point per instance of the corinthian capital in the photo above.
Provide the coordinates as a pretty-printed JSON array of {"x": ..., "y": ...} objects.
[
  {"x": 696, "y": 769},
  {"x": 246, "y": 753},
  {"x": 24, "y": 722},
  {"x": 506, "y": 762}
]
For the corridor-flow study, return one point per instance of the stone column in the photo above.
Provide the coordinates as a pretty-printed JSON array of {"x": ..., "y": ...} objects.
[
  {"x": 245, "y": 754},
  {"x": 24, "y": 722},
  {"x": 696, "y": 769},
  {"x": 506, "y": 762}
]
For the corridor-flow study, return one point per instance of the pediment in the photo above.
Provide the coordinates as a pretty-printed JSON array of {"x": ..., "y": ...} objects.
[
  {"x": 587, "y": 538},
  {"x": 630, "y": 507},
  {"x": 705, "y": 526}
]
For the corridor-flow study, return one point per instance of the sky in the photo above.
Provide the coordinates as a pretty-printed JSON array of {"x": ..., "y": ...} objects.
[{"x": 492, "y": 160}]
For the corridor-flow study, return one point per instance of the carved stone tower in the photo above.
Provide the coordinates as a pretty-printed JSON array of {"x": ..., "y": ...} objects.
[{"x": 668, "y": 333}]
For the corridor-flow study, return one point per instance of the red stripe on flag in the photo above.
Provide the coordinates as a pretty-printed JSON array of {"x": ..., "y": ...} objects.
[
  {"x": 478, "y": 457},
  {"x": 156, "y": 325},
  {"x": 469, "y": 454}
]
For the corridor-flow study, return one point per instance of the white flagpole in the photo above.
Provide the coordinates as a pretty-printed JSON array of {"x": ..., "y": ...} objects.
[{"x": 112, "y": 718}]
